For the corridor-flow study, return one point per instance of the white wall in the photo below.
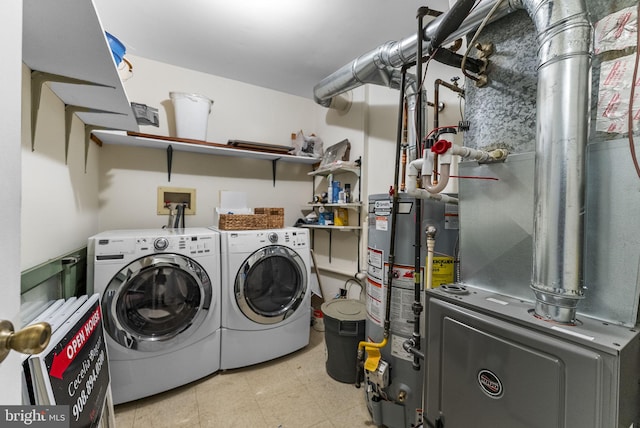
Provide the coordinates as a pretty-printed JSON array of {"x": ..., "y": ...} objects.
[
  {"x": 240, "y": 111},
  {"x": 10, "y": 29},
  {"x": 130, "y": 176},
  {"x": 119, "y": 189},
  {"x": 59, "y": 202}
]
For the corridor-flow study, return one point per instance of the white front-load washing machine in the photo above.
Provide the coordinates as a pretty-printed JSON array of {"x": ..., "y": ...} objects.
[
  {"x": 160, "y": 299},
  {"x": 266, "y": 295}
]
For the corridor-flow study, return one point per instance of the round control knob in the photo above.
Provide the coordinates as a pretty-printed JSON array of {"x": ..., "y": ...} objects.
[
  {"x": 161, "y": 244},
  {"x": 273, "y": 237}
]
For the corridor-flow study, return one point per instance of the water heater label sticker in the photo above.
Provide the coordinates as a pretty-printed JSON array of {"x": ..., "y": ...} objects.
[
  {"x": 374, "y": 263},
  {"x": 616, "y": 31},
  {"x": 573, "y": 333},
  {"x": 382, "y": 222},
  {"x": 500, "y": 302},
  {"x": 375, "y": 301},
  {"x": 402, "y": 275},
  {"x": 401, "y": 313},
  {"x": 397, "y": 350}
]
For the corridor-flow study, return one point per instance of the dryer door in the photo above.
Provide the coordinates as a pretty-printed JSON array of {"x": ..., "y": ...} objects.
[
  {"x": 271, "y": 284},
  {"x": 156, "y": 301}
]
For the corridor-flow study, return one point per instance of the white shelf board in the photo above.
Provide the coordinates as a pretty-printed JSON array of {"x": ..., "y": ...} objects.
[
  {"x": 117, "y": 137},
  {"x": 340, "y": 228},
  {"x": 66, "y": 38},
  {"x": 345, "y": 205}
]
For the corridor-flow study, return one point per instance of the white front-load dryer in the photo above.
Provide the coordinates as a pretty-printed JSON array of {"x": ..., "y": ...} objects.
[
  {"x": 266, "y": 295},
  {"x": 160, "y": 299}
]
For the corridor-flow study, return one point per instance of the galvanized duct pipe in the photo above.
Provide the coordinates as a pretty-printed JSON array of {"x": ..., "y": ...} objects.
[
  {"x": 377, "y": 66},
  {"x": 563, "y": 104}
]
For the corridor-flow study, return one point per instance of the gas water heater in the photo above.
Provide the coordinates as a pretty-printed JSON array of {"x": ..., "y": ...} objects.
[{"x": 394, "y": 390}]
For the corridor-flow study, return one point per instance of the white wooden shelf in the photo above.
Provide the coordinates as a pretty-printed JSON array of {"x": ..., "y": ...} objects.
[
  {"x": 331, "y": 227},
  {"x": 337, "y": 169},
  {"x": 195, "y": 146},
  {"x": 344, "y": 205},
  {"x": 65, "y": 39},
  {"x": 178, "y": 144}
]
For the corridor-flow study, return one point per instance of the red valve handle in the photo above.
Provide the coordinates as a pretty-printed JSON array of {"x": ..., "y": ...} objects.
[{"x": 441, "y": 146}]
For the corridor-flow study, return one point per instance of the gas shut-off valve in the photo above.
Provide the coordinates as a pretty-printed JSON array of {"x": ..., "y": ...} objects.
[{"x": 378, "y": 377}]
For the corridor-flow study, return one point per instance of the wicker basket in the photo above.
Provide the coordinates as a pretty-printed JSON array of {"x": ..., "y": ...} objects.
[
  {"x": 243, "y": 221},
  {"x": 275, "y": 216}
]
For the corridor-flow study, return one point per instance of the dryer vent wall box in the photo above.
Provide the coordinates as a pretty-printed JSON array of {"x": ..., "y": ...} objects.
[{"x": 176, "y": 196}]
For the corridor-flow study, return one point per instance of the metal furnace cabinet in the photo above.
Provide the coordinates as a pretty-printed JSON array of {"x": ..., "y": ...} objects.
[{"x": 491, "y": 363}]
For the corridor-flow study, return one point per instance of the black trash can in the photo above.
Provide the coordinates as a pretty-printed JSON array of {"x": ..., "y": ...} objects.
[{"x": 344, "y": 325}]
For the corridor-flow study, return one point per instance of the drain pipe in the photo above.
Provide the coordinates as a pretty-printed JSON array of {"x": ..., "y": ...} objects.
[{"x": 412, "y": 345}]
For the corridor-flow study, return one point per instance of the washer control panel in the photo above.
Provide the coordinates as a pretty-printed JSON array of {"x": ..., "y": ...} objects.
[{"x": 116, "y": 245}]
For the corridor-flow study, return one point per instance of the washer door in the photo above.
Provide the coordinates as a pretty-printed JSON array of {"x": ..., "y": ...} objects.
[
  {"x": 156, "y": 301},
  {"x": 271, "y": 284}
]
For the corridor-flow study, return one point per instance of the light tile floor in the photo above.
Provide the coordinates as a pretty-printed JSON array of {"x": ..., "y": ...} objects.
[{"x": 294, "y": 391}]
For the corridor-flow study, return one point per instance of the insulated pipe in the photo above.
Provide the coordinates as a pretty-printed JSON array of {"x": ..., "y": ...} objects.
[
  {"x": 452, "y": 20},
  {"x": 376, "y": 66},
  {"x": 563, "y": 110}
]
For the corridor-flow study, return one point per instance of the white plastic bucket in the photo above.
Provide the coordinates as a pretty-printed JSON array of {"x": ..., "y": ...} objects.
[{"x": 191, "y": 114}]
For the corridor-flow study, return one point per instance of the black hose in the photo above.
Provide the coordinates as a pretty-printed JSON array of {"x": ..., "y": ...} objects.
[
  {"x": 451, "y": 21},
  {"x": 445, "y": 56},
  {"x": 179, "y": 210}
]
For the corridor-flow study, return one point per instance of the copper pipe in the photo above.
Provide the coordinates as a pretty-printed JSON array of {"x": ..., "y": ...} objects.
[
  {"x": 405, "y": 132},
  {"x": 403, "y": 162},
  {"x": 436, "y": 121}
]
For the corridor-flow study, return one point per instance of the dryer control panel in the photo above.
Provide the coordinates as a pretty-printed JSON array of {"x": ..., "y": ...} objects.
[
  {"x": 298, "y": 239},
  {"x": 246, "y": 240}
]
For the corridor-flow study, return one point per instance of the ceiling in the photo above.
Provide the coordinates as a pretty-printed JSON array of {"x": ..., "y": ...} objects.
[{"x": 285, "y": 45}]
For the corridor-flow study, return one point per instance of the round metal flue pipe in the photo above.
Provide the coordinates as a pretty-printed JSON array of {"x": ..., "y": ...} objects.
[{"x": 563, "y": 110}]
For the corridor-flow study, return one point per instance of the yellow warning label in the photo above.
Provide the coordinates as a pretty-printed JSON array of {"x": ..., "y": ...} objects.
[{"x": 442, "y": 272}]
